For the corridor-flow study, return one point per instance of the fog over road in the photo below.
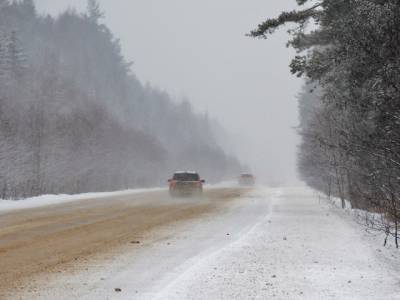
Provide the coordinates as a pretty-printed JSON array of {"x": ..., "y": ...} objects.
[{"x": 235, "y": 243}]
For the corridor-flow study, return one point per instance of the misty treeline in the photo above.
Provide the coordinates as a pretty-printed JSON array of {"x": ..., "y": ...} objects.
[
  {"x": 350, "y": 104},
  {"x": 74, "y": 118}
]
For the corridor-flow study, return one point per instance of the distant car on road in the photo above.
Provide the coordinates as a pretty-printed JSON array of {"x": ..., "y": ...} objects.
[
  {"x": 185, "y": 184},
  {"x": 247, "y": 179}
]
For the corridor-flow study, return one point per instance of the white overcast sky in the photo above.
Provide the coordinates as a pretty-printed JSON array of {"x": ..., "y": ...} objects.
[{"x": 198, "y": 49}]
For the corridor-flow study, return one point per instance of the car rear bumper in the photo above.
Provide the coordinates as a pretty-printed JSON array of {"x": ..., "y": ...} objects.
[{"x": 179, "y": 191}]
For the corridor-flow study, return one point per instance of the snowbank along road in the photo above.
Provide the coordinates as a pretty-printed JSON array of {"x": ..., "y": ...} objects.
[{"x": 233, "y": 244}]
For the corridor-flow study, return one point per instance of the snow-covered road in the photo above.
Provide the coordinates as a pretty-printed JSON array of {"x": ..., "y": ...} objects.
[
  {"x": 271, "y": 243},
  {"x": 305, "y": 249}
]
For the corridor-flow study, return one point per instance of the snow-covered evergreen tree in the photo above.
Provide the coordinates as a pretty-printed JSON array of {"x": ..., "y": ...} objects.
[
  {"x": 94, "y": 12},
  {"x": 74, "y": 118},
  {"x": 353, "y": 139},
  {"x": 15, "y": 59}
]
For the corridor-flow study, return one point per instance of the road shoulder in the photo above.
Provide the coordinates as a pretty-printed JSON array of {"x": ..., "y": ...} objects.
[{"x": 305, "y": 250}]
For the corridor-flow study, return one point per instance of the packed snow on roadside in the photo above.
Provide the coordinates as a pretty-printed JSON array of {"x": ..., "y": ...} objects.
[
  {"x": 373, "y": 223},
  {"x": 45, "y": 200},
  {"x": 306, "y": 249}
]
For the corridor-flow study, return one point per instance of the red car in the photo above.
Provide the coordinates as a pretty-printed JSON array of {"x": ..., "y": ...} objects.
[
  {"x": 185, "y": 184},
  {"x": 247, "y": 180}
]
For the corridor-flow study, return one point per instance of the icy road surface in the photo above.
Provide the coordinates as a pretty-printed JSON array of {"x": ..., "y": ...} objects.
[{"x": 265, "y": 243}]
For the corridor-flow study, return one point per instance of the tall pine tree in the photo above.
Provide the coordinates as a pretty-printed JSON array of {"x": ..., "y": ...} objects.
[
  {"x": 94, "y": 12},
  {"x": 15, "y": 59}
]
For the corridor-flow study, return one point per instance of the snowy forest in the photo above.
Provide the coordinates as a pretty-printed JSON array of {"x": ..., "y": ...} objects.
[
  {"x": 74, "y": 118},
  {"x": 348, "y": 51}
]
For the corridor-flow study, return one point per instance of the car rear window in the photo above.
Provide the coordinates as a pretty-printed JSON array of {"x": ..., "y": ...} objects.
[
  {"x": 246, "y": 176},
  {"x": 186, "y": 177}
]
